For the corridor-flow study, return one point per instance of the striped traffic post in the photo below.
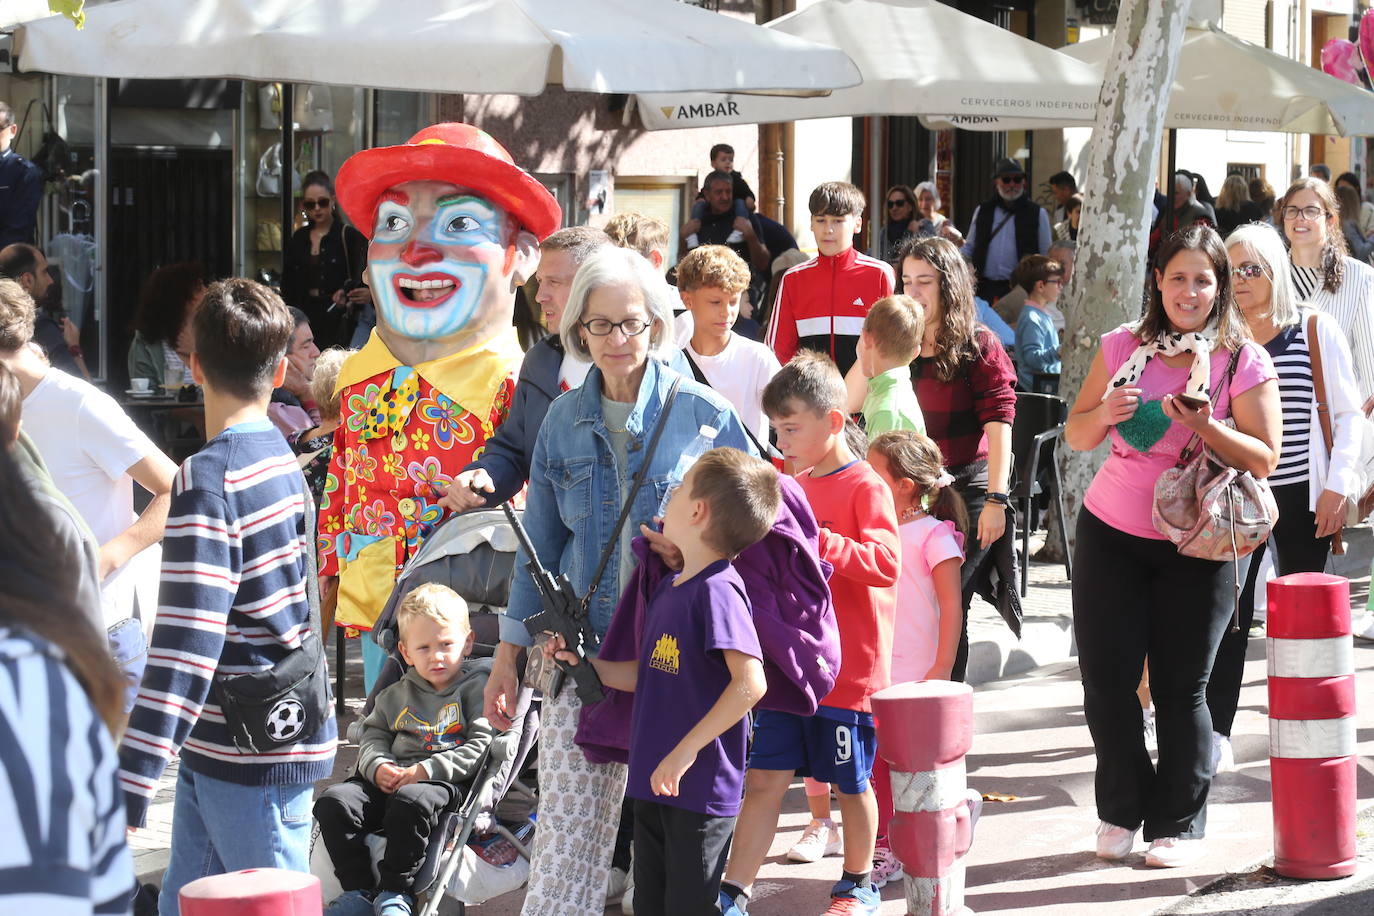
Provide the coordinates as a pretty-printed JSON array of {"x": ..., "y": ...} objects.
[
  {"x": 1312, "y": 725},
  {"x": 924, "y": 730},
  {"x": 253, "y": 892}
]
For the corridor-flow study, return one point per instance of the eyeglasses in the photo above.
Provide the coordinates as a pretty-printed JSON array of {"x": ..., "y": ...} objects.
[
  {"x": 1059, "y": 281},
  {"x": 1307, "y": 213},
  {"x": 898, "y": 202},
  {"x": 1249, "y": 271},
  {"x": 602, "y": 327},
  {"x": 1011, "y": 179},
  {"x": 321, "y": 204}
]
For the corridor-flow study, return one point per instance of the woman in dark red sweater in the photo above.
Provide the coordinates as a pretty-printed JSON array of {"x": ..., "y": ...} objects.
[{"x": 965, "y": 383}]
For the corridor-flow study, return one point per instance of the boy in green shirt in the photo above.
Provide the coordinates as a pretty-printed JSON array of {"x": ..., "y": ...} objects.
[{"x": 889, "y": 341}]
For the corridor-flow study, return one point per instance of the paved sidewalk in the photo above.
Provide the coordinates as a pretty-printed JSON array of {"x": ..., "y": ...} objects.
[{"x": 1034, "y": 854}]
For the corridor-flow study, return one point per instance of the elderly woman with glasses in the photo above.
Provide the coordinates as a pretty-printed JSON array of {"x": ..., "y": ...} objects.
[
  {"x": 592, "y": 444},
  {"x": 323, "y": 272}
]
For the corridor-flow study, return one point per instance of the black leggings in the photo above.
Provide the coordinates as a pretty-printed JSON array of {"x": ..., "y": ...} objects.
[
  {"x": 1135, "y": 597},
  {"x": 970, "y": 482},
  {"x": 350, "y": 810},
  {"x": 1296, "y": 549}
]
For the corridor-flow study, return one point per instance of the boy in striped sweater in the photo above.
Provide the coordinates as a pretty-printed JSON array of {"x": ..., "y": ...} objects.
[{"x": 232, "y": 601}]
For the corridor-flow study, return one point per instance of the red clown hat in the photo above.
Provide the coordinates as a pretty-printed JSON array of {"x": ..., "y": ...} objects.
[{"x": 459, "y": 154}]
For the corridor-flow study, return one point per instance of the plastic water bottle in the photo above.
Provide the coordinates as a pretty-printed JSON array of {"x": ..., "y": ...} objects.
[{"x": 703, "y": 443}]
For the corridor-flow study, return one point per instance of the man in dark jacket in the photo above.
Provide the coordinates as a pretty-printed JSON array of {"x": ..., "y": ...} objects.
[
  {"x": 1005, "y": 228},
  {"x": 21, "y": 186},
  {"x": 546, "y": 372}
]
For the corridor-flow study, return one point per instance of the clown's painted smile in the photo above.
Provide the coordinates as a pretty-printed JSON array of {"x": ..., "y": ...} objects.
[{"x": 429, "y": 290}]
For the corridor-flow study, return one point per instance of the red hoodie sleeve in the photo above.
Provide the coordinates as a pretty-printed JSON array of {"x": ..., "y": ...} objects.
[{"x": 874, "y": 557}]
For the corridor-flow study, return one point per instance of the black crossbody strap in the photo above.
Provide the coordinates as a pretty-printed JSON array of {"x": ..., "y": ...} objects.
[
  {"x": 764, "y": 451},
  {"x": 634, "y": 490}
]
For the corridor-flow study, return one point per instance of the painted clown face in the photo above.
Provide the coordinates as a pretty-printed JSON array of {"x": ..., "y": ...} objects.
[{"x": 439, "y": 263}]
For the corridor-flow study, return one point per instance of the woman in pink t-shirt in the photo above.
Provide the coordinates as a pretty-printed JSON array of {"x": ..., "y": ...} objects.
[{"x": 1134, "y": 595}]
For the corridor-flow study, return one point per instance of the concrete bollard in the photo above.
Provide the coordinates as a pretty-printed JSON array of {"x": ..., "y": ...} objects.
[
  {"x": 253, "y": 892},
  {"x": 924, "y": 730},
  {"x": 1312, "y": 725}
]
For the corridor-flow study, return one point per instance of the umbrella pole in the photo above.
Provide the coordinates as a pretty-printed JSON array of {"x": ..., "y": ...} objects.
[
  {"x": 875, "y": 187},
  {"x": 1171, "y": 213},
  {"x": 288, "y": 167}
]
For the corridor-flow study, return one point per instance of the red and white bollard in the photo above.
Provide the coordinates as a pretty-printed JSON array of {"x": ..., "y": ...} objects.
[
  {"x": 1312, "y": 725},
  {"x": 924, "y": 730},
  {"x": 253, "y": 892}
]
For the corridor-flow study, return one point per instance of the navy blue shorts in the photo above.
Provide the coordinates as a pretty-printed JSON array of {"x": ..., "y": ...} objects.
[{"x": 834, "y": 745}]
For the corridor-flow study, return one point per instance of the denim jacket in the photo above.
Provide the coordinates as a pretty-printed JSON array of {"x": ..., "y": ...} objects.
[{"x": 573, "y": 500}]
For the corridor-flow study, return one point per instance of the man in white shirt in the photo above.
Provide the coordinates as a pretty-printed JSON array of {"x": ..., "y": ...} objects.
[{"x": 94, "y": 452}]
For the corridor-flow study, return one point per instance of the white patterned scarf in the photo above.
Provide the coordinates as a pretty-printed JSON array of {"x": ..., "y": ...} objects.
[{"x": 1198, "y": 343}]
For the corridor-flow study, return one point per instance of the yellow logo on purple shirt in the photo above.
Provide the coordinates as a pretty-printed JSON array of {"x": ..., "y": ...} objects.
[{"x": 666, "y": 656}]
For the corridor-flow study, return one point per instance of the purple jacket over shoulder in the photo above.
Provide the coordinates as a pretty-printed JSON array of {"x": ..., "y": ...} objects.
[{"x": 786, "y": 580}]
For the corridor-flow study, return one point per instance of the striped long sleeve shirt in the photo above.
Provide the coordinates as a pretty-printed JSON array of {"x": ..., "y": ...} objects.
[
  {"x": 62, "y": 852},
  {"x": 1352, "y": 305},
  {"x": 232, "y": 601}
]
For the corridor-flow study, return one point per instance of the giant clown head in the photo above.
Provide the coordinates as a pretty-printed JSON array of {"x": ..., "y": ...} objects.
[{"x": 455, "y": 227}]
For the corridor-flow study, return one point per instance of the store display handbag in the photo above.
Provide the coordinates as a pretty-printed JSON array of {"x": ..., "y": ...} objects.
[
  {"x": 1208, "y": 509},
  {"x": 1360, "y": 502},
  {"x": 269, "y": 709}
]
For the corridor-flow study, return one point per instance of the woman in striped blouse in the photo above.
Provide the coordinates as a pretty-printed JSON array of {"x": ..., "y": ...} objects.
[
  {"x": 64, "y": 851},
  {"x": 1308, "y": 486},
  {"x": 1337, "y": 284}
]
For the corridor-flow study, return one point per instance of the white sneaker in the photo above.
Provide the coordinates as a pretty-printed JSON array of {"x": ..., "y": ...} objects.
[
  {"x": 627, "y": 902},
  {"x": 886, "y": 867},
  {"x": 693, "y": 241},
  {"x": 1151, "y": 739},
  {"x": 1363, "y": 626},
  {"x": 819, "y": 839},
  {"x": 1172, "y": 852},
  {"x": 616, "y": 885},
  {"x": 734, "y": 238},
  {"x": 1114, "y": 842},
  {"x": 1223, "y": 756}
]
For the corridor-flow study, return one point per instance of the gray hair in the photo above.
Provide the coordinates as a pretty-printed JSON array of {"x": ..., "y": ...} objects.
[
  {"x": 1182, "y": 182},
  {"x": 1068, "y": 245},
  {"x": 715, "y": 176},
  {"x": 1263, "y": 243},
  {"x": 620, "y": 267},
  {"x": 928, "y": 186},
  {"x": 580, "y": 242}
]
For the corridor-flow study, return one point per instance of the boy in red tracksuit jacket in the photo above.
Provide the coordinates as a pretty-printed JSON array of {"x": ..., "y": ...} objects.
[
  {"x": 822, "y": 303},
  {"x": 836, "y": 745}
]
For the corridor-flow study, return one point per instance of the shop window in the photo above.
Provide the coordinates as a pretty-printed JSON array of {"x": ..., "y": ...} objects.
[{"x": 667, "y": 198}]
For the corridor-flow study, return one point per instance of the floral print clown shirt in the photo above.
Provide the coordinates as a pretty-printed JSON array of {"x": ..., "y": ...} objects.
[{"x": 404, "y": 433}]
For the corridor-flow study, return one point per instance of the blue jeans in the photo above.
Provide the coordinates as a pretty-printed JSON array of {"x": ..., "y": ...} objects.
[{"x": 219, "y": 827}]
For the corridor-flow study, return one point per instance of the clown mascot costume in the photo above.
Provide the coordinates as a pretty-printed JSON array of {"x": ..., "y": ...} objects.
[{"x": 454, "y": 228}]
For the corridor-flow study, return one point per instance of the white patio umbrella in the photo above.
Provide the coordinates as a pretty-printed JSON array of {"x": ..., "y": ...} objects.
[
  {"x": 917, "y": 57},
  {"x": 460, "y": 46},
  {"x": 1226, "y": 83}
]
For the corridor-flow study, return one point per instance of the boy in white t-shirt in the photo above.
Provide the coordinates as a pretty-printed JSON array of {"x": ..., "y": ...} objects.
[{"x": 711, "y": 280}]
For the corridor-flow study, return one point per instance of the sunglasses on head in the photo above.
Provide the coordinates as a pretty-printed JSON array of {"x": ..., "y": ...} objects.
[{"x": 320, "y": 204}]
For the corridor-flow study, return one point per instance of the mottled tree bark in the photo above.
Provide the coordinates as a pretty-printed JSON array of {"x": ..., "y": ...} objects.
[{"x": 1118, "y": 190}]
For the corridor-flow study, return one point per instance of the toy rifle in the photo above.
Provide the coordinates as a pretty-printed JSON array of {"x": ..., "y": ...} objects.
[{"x": 565, "y": 614}]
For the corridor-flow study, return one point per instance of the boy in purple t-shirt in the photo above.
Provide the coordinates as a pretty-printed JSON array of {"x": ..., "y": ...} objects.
[{"x": 698, "y": 674}]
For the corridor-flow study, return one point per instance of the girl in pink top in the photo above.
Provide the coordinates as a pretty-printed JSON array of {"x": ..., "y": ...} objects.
[
  {"x": 1152, "y": 387},
  {"x": 925, "y": 634}
]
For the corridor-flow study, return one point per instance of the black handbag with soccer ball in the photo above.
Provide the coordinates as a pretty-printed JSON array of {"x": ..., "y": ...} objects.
[{"x": 269, "y": 709}]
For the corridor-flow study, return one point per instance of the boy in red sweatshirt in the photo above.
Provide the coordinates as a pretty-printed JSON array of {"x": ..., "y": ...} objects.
[
  {"x": 822, "y": 302},
  {"x": 805, "y": 402}
]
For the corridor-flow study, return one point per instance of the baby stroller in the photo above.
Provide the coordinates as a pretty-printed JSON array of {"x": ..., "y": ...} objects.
[{"x": 474, "y": 554}]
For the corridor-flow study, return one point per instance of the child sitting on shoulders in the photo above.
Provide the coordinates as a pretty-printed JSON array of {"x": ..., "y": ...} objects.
[
  {"x": 889, "y": 341},
  {"x": 698, "y": 674},
  {"x": 711, "y": 280},
  {"x": 425, "y": 733},
  {"x": 925, "y": 633}
]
